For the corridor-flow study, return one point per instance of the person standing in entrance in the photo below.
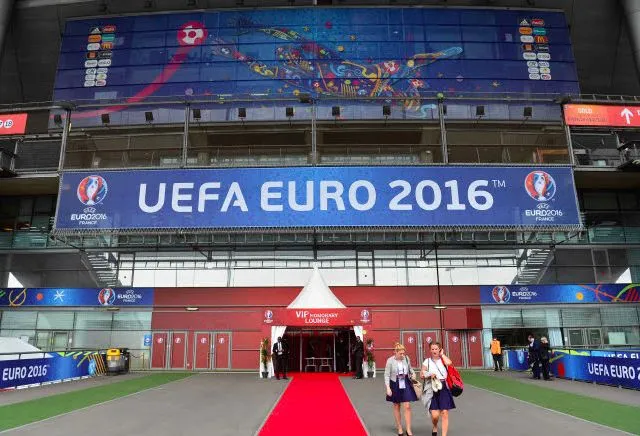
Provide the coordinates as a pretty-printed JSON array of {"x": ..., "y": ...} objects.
[
  {"x": 358, "y": 355},
  {"x": 341, "y": 355},
  {"x": 400, "y": 392},
  {"x": 434, "y": 371},
  {"x": 496, "y": 352},
  {"x": 534, "y": 356},
  {"x": 281, "y": 352},
  {"x": 545, "y": 357}
]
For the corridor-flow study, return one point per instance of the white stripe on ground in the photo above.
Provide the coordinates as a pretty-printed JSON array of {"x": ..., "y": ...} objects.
[
  {"x": 366, "y": 430},
  {"x": 90, "y": 406},
  {"x": 554, "y": 411},
  {"x": 266, "y": 418}
]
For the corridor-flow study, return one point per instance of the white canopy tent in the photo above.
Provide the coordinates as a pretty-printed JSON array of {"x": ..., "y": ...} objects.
[{"x": 315, "y": 295}]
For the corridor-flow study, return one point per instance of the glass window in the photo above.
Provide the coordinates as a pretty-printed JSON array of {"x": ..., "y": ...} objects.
[
  {"x": 600, "y": 201},
  {"x": 534, "y": 318},
  {"x": 580, "y": 317},
  {"x": 506, "y": 318},
  {"x": 93, "y": 321},
  {"x": 44, "y": 204},
  {"x": 621, "y": 335},
  {"x": 28, "y": 336},
  {"x": 130, "y": 339},
  {"x": 132, "y": 321},
  {"x": 55, "y": 320},
  {"x": 91, "y": 339},
  {"x": 18, "y": 319},
  {"x": 619, "y": 316}
]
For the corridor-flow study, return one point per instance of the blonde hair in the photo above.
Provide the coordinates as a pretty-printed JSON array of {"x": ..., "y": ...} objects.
[{"x": 398, "y": 347}]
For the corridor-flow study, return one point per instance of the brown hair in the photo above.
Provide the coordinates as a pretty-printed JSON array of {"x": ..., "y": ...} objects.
[{"x": 436, "y": 343}]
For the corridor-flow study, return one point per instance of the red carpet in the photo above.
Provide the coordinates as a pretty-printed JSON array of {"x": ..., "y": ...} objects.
[{"x": 313, "y": 404}]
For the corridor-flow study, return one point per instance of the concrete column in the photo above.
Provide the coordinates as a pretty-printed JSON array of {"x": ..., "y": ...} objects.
[
  {"x": 632, "y": 12},
  {"x": 5, "y": 17}
]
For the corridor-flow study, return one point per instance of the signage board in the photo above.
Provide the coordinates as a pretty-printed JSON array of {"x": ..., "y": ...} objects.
[
  {"x": 76, "y": 297},
  {"x": 57, "y": 367},
  {"x": 317, "y": 317},
  {"x": 13, "y": 124},
  {"x": 544, "y": 294},
  {"x": 594, "y": 115},
  {"x": 434, "y": 197}
]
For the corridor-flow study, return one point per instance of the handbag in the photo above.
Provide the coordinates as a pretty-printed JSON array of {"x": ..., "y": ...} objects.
[
  {"x": 454, "y": 381},
  {"x": 415, "y": 383}
]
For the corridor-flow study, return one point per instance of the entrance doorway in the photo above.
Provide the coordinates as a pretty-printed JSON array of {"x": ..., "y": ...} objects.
[
  {"x": 464, "y": 347},
  {"x": 327, "y": 350}
]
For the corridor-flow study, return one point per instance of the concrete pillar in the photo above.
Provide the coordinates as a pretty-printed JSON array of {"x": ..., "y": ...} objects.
[
  {"x": 632, "y": 12},
  {"x": 5, "y": 17}
]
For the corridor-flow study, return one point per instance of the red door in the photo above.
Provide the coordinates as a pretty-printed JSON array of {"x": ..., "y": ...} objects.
[
  {"x": 222, "y": 350},
  {"x": 178, "y": 350},
  {"x": 454, "y": 347},
  {"x": 203, "y": 351},
  {"x": 410, "y": 342},
  {"x": 159, "y": 350},
  {"x": 474, "y": 347}
]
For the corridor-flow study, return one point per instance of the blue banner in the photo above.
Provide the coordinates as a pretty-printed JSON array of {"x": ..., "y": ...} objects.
[
  {"x": 14, "y": 373},
  {"x": 404, "y": 53},
  {"x": 441, "y": 197},
  {"x": 544, "y": 294},
  {"x": 75, "y": 297}
]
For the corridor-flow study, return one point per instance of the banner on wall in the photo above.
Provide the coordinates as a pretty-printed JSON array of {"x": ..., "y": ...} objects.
[
  {"x": 542, "y": 294},
  {"x": 19, "y": 297},
  {"x": 436, "y": 197},
  {"x": 24, "y": 372},
  {"x": 317, "y": 317}
]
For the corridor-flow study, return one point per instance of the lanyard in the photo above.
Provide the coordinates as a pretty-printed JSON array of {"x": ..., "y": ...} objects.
[{"x": 437, "y": 368}]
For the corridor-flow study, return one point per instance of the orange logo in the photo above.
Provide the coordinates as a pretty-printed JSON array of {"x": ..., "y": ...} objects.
[
  {"x": 541, "y": 40},
  {"x": 526, "y": 31},
  {"x": 95, "y": 38},
  {"x": 107, "y": 45}
]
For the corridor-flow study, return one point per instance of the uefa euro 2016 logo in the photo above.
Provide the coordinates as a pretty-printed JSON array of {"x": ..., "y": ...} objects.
[
  {"x": 540, "y": 185},
  {"x": 365, "y": 315},
  {"x": 268, "y": 316},
  {"x": 501, "y": 294},
  {"x": 92, "y": 190},
  {"x": 106, "y": 297}
]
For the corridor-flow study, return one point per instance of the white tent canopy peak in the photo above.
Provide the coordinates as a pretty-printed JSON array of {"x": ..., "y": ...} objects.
[{"x": 316, "y": 295}]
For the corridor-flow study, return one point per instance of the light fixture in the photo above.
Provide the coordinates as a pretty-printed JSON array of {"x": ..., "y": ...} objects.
[
  {"x": 479, "y": 111},
  {"x": 289, "y": 111},
  {"x": 105, "y": 118},
  {"x": 148, "y": 116},
  {"x": 386, "y": 110},
  {"x": 191, "y": 309},
  {"x": 57, "y": 119},
  {"x": 242, "y": 112},
  {"x": 439, "y": 306},
  {"x": 335, "y": 111},
  {"x": 196, "y": 114},
  {"x": 112, "y": 309},
  {"x": 527, "y": 112}
]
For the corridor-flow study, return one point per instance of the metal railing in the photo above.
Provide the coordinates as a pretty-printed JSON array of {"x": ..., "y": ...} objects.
[{"x": 140, "y": 358}]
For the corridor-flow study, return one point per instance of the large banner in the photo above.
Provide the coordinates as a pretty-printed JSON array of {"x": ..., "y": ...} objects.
[
  {"x": 317, "y": 317},
  {"x": 439, "y": 197},
  {"x": 18, "y": 297},
  {"x": 544, "y": 294},
  {"x": 396, "y": 52},
  {"x": 58, "y": 367}
]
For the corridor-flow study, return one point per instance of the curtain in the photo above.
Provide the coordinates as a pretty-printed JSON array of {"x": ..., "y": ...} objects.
[{"x": 277, "y": 331}]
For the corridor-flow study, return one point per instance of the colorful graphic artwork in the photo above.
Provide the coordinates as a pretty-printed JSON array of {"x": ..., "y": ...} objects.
[
  {"x": 537, "y": 294},
  {"x": 70, "y": 297},
  {"x": 396, "y": 53}
]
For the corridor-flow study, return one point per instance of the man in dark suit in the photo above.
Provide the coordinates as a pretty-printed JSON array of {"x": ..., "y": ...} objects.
[
  {"x": 281, "y": 353},
  {"x": 534, "y": 356},
  {"x": 358, "y": 354},
  {"x": 341, "y": 355}
]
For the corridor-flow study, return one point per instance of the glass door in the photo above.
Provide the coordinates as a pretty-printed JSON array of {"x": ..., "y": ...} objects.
[
  {"x": 43, "y": 341},
  {"x": 59, "y": 341},
  {"x": 595, "y": 337},
  {"x": 576, "y": 338}
]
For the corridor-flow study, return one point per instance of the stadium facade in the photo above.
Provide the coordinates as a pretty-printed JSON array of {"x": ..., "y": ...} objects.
[{"x": 172, "y": 172}]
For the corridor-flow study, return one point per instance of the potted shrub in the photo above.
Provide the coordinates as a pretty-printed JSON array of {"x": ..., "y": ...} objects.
[
  {"x": 265, "y": 357},
  {"x": 371, "y": 360}
]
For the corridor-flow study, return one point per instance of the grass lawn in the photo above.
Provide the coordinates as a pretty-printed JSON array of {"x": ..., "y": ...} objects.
[
  {"x": 603, "y": 412},
  {"x": 14, "y": 415}
]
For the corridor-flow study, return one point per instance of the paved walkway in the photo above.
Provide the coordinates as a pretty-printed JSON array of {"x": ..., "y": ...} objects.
[
  {"x": 19, "y": 395},
  {"x": 617, "y": 395},
  {"x": 479, "y": 413}
]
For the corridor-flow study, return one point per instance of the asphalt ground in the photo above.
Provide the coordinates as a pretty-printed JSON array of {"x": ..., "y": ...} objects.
[
  {"x": 611, "y": 393},
  {"x": 20, "y": 395},
  {"x": 204, "y": 404},
  {"x": 478, "y": 412}
]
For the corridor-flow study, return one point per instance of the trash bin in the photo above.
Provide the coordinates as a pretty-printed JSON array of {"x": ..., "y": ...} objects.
[{"x": 118, "y": 360}]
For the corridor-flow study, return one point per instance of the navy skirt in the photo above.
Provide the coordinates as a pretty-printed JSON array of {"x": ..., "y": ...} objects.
[
  {"x": 442, "y": 400},
  {"x": 405, "y": 395}
]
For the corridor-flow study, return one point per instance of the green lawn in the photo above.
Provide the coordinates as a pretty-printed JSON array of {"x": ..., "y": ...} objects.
[
  {"x": 603, "y": 412},
  {"x": 14, "y": 415}
]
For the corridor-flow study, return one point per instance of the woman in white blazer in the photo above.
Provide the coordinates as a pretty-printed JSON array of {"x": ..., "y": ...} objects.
[{"x": 397, "y": 379}]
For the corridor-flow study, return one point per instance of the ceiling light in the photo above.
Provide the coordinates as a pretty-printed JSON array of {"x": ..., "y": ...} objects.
[
  {"x": 191, "y": 309},
  {"x": 438, "y": 306}
]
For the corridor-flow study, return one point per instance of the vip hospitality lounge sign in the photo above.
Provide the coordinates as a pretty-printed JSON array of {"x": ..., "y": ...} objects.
[
  {"x": 317, "y": 317},
  {"x": 434, "y": 197}
]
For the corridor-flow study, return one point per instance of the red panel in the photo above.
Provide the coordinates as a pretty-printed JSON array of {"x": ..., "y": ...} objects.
[
  {"x": 181, "y": 297},
  {"x": 165, "y": 319},
  {"x": 420, "y": 319},
  {"x": 460, "y": 294},
  {"x": 384, "y": 340},
  {"x": 454, "y": 347},
  {"x": 410, "y": 341},
  {"x": 178, "y": 350},
  {"x": 222, "y": 351},
  {"x": 601, "y": 115},
  {"x": 247, "y": 340},
  {"x": 455, "y": 318},
  {"x": 474, "y": 318},
  {"x": 245, "y": 359},
  {"x": 13, "y": 124},
  {"x": 159, "y": 350},
  {"x": 203, "y": 351},
  {"x": 386, "y": 320},
  {"x": 474, "y": 342},
  {"x": 372, "y": 295}
]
